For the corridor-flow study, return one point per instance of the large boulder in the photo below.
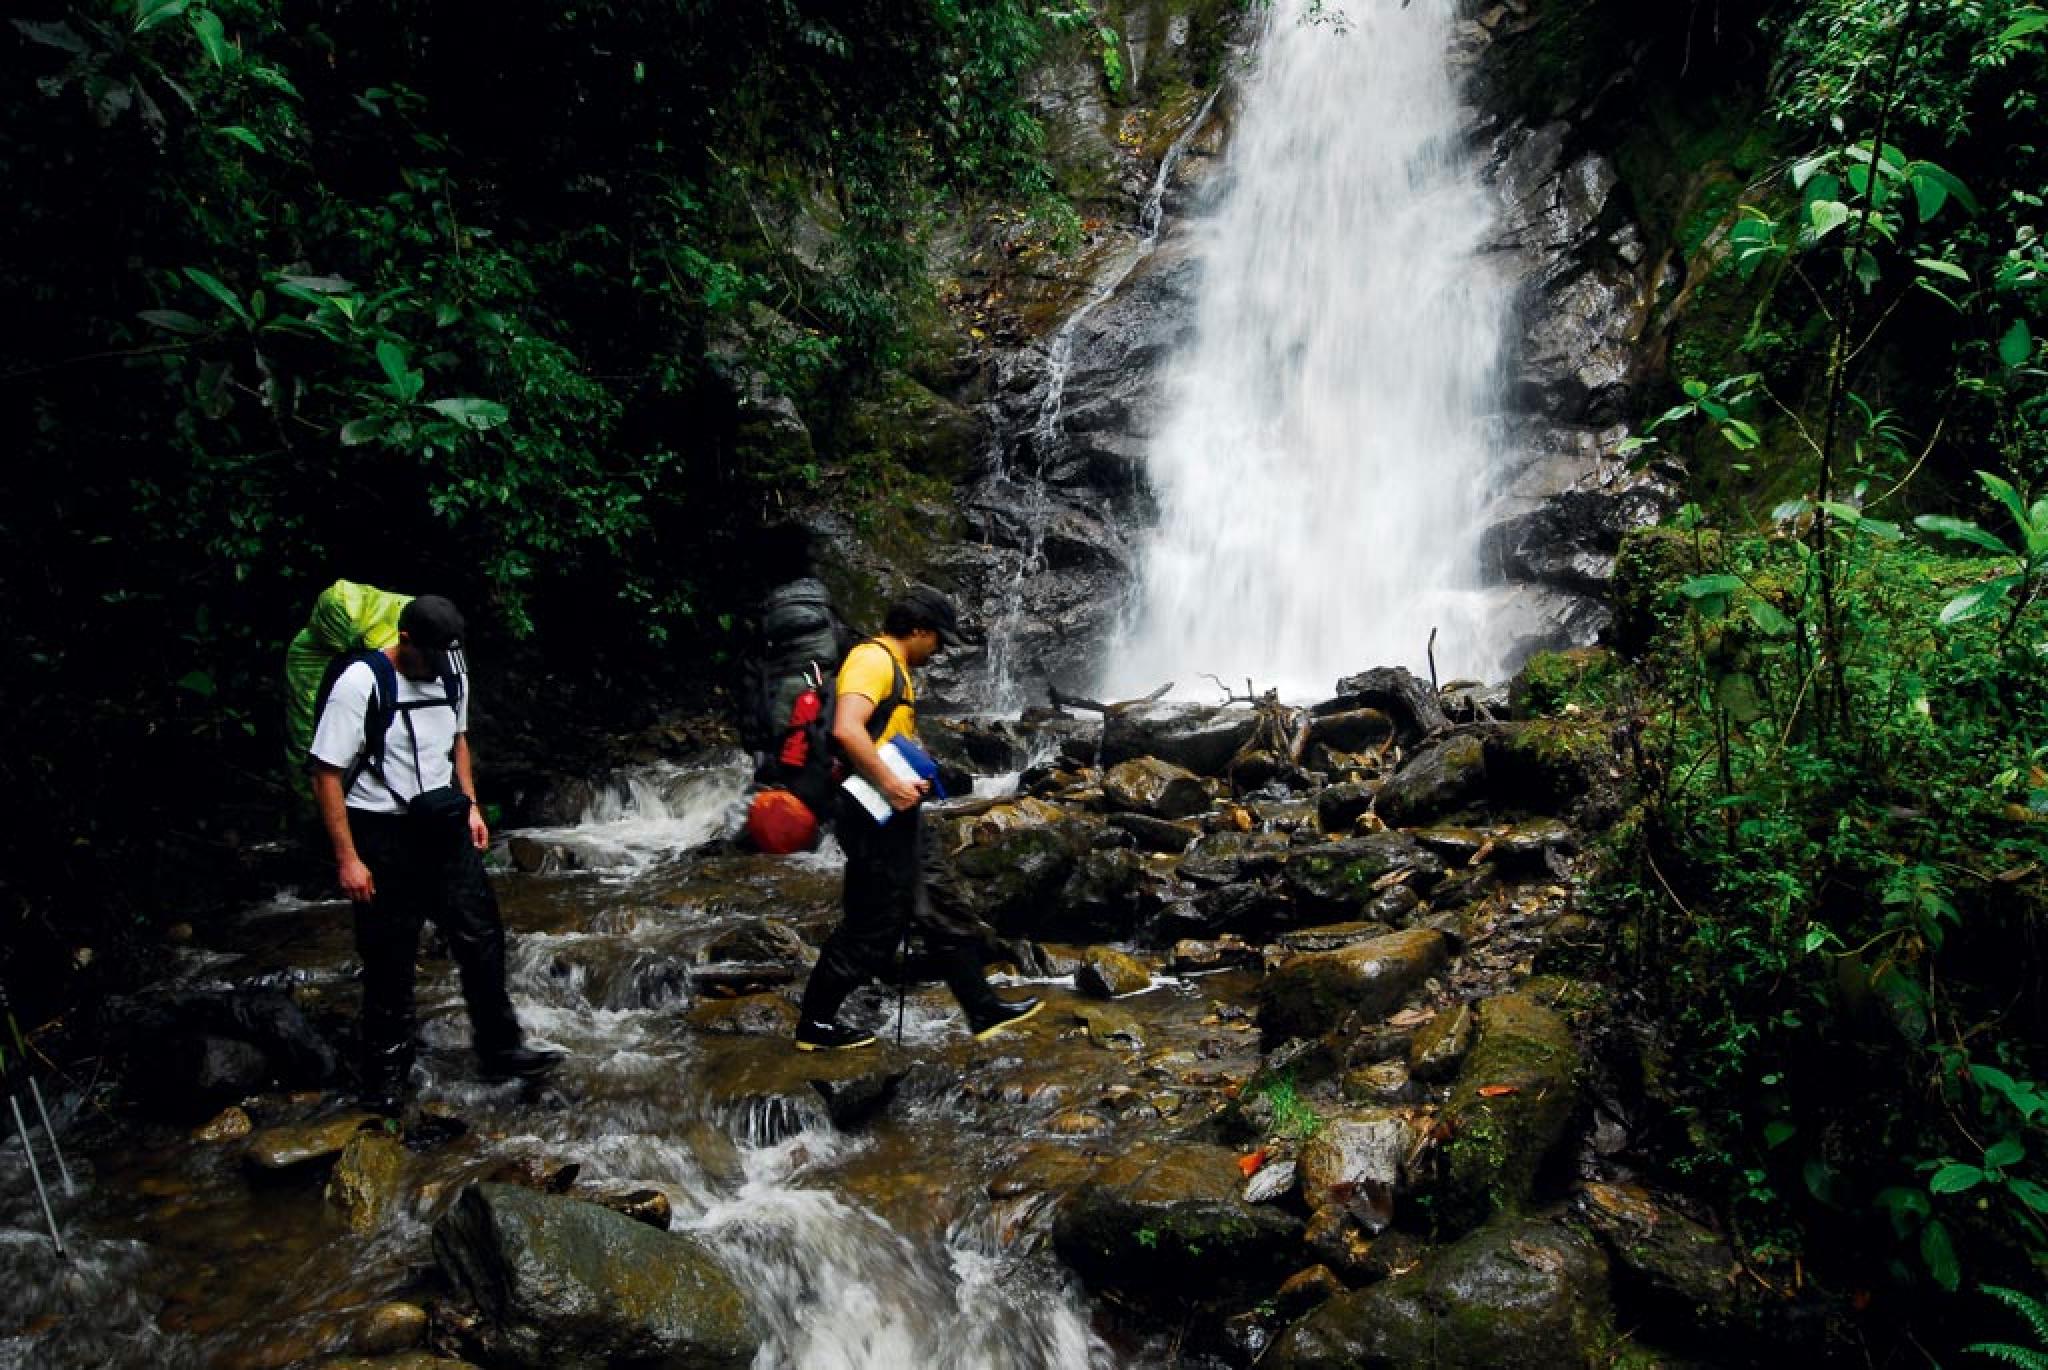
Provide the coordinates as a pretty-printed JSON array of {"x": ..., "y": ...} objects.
[
  {"x": 1155, "y": 788},
  {"x": 1514, "y": 1096},
  {"x": 1201, "y": 739},
  {"x": 568, "y": 1285},
  {"x": 1308, "y": 995},
  {"x": 1442, "y": 778},
  {"x": 1393, "y": 691},
  {"x": 1168, "y": 1228},
  {"x": 1344, "y": 877},
  {"x": 1526, "y": 1294},
  {"x": 1669, "y": 1270},
  {"x": 366, "y": 1179},
  {"x": 1355, "y": 1163},
  {"x": 1012, "y": 880},
  {"x": 1554, "y": 765},
  {"x": 1224, "y": 858}
]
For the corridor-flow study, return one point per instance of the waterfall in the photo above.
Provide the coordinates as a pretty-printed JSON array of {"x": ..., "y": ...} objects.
[{"x": 1324, "y": 449}]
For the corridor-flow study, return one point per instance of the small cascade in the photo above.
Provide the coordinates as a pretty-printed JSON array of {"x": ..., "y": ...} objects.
[
  {"x": 1019, "y": 460},
  {"x": 1328, "y": 441},
  {"x": 649, "y": 814}
]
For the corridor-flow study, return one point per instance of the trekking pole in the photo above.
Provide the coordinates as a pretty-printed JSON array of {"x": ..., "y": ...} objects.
[
  {"x": 902, "y": 979},
  {"x": 35, "y": 1091},
  {"x": 35, "y": 1172}
]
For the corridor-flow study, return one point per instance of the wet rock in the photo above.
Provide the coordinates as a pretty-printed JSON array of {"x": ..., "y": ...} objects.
[
  {"x": 410, "y": 1360},
  {"x": 196, "y": 1050},
  {"x": 1476, "y": 703},
  {"x": 572, "y": 1285},
  {"x": 548, "y": 1174},
  {"x": 1456, "y": 846},
  {"x": 1442, "y": 778},
  {"x": 1250, "y": 908},
  {"x": 1383, "y": 1082},
  {"x": 367, "y": 1179},
  {"x": 648, "y": 1206},
  {"x": 229, "y": 1125},
  {"x": 1308, "y": 995},
  {"x": 390, "y": 1328},
  {"x": 1110, "y": 974},
  {"x": 716, "y": 1154},
  {"x": 1307, "y": 1289},
  {"x": 1224, "y": 858},
  {"x": 765, "y": 940},
  {"x": 1108, "y": 893},
  {"x": 733, "y": 981},
  {"x": 1396, "y": 906},
  {"x": 1339, "y": 807},
  {"x": 530, "y": 856},
  {"x": 1441, "y": 1045},
  {"x": 1355, "y": 1162},
  {"x": 1197, "y": 738},
  {"x": 1353, "y": 730},
  {"x": 1158, "y": 789},
  {"x": 1549, "y": 682},
  {"x": 1552, "y": 766},
  {"x": 1669, "y": 1269},
  {"x": 1165, "y": 1228},
  {"x": 1337, "y": 1238},
  {"x": 1344, "y": 877},
  {"x": 1165, "y": 836},
  {"x": 1393, "y": 691},
  {"x": 1519, "y": 1295},
  {"x": 1078, "y": 1122},
  {"x": 1272, "y": 1182},
  {"x": 1531, "y": 842},
  {"x": 296, "y": 1144},
  {"x": 1013, "y": 880},
  {"x": 1516, "y": 1092},
  {"x": 1192, "y": 956},
  {"x": 852, "y": 1100},
  {"x": 1328, "y": 936},
  {"x": 1259, "y": 771},
  {"x": 1112, "y": 1029},
  {"x": 752, "y": 1015}
]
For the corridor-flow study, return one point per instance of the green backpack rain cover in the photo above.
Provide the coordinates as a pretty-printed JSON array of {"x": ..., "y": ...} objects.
[{"x": 347, "y": 616}]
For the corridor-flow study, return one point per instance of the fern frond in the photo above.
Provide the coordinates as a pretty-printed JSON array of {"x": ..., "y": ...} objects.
[
  {"x": 2021, "y": 1357},
  {"x": 2034, "y": 1310}
]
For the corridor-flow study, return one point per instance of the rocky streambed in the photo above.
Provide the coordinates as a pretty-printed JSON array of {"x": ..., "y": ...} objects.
[{"x": 1326, "y": 1077}]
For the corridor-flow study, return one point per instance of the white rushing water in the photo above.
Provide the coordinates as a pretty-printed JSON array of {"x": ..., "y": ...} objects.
[{"x": 1324, "y": 453}]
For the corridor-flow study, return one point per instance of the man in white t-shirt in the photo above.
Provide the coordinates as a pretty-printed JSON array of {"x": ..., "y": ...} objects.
[{"x": 408, "y": 840}]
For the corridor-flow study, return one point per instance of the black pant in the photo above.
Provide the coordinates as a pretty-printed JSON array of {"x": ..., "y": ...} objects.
[
  {"x": 885, "y": 900},
  {"x": 421, "y": 876}
]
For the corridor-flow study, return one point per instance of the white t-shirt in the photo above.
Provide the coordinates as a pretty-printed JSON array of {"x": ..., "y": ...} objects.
[{"x": 338, "y": 738}]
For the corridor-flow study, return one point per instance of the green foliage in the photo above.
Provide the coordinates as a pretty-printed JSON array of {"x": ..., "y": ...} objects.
[{"x": 2035, "y": 1311}]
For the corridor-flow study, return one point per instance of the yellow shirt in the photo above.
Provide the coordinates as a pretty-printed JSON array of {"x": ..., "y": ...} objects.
[{"x": 866, "y": 671}]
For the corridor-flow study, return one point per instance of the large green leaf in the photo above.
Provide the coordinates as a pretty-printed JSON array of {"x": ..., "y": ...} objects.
[
  {"x": 2002, "y": 490},
  {"x": 1706, "y": 587},
  {"x": 214, "y": 286},
  {"x": 212, "y": 37},
  {"x": 2005, "y": 1152},
  {"x": 176, "y": 320},
  {"x": 150, "y": 13},
  {"x": 1978, "y": 599},
  {"x": 1825, "y": 216},
  {"x": 356, "y": 432},
  {"x": 473, "y": 413},
  {"x": 2017, "y": 346},
  {"x": 1940, "y": 1255},
  {"x": 1962, "y": 530},
  {"x": 406, "y": 383},
  {"x": 247, "y": 137}
]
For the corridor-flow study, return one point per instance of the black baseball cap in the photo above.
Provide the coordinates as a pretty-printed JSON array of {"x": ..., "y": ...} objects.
[
  {"x": 435, "y": 627},
  {"x": 932, "y": 610}
]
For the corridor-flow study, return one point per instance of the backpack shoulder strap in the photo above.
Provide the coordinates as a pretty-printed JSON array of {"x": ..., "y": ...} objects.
[
  {"x": 378, "y": 712},
  {"x": 897, "y": 698}
]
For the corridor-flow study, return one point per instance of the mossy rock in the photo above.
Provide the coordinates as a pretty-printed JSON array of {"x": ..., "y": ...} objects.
[
  {"x": 1514, "y": 1097},
  {"x": 1443, "y": 778},
  {"x": 1343, "y": 877},
  {"x": 1553, "y": 766},
  {"x": 926, "y": 433},
  {"x": 1648, "y": 569},
  {"x": 1521, "y": 1294},
  {"x": 572, "y": 1285},
  {"x": 1549, "y": 681},
  {"x": 1309, "y": 995},
  {"x": 1013, "y": 880},
  {"x": 1166, "y": 1229}
]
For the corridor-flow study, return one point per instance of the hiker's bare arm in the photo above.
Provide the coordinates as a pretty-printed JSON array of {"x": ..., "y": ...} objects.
[
  {"x": 850, "y": 731},
  {"x": 349, "y": 868},
  {"x": 465, "y": 780}
]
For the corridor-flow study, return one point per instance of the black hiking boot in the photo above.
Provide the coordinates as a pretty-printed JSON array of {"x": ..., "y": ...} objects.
[
  {"x": 812, "y": 1035},
  {"x": 988, "y": 1021},
  {"x": 518, "y": 1063}
]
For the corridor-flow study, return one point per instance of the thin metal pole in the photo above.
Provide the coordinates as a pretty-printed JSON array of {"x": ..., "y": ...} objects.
[
  {"x": 35, "y": 1090},
  {"x": 36, "y": 1173}
]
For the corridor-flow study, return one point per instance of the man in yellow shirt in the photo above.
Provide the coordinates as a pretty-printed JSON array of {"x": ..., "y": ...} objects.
[{"x": 884, "y": 894}]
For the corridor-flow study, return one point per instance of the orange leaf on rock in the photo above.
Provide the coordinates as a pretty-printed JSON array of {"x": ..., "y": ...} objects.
[
  {"x": 1495, "y": 1091},
  {"x": 1250, "y": 1164}
]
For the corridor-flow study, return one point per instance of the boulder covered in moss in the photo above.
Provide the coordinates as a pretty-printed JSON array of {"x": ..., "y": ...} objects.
[
  {"x": 1670, "y": 1272},
  {"x": 1549, "y": 682},
  {"x": 1514, "y": 1097},
  {"x": 1012, "y": 880},
  {"x": 1554, "y": 766},
  {"x": 1345, "y": 877},
  {"x": 568, "y": 1284},
  {"x": 1166, "y": 1228},
  {"x": 1648, "y": 569},
  {"x": 1521, "y": 1294},
  {"x": 1441, "y": 779},
  {"x": 1309, "y": 995},
  {"x": 1155, "y": 788}
]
